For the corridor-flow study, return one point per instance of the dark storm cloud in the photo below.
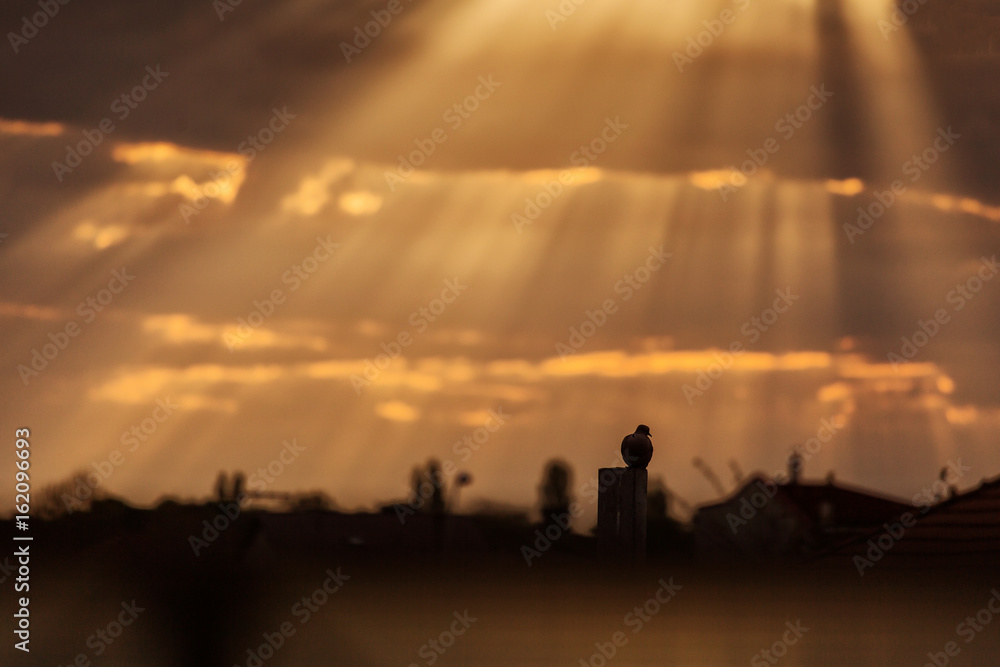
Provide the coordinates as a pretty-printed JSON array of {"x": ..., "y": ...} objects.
[{"x": 223, "y": 73}]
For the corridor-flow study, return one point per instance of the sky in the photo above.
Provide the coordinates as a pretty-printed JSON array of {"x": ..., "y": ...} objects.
[{"x": 495, "y": 233}]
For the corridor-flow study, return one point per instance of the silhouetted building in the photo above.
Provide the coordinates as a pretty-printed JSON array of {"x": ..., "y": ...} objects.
[
  {"x": 764, "y": 520},
  {"x": 961, "y": 530}
]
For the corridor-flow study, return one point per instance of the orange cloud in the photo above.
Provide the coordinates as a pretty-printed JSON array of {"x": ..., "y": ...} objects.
[{"x": 30, "y": 128}]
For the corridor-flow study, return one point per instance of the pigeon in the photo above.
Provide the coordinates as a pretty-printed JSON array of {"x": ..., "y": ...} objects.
[{"x": 637, "y": 448}]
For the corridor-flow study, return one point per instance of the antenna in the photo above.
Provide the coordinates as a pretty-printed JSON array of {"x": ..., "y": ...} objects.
[
  {"x": 734, "y": 467},
  {"x": 709, "y": 474}
]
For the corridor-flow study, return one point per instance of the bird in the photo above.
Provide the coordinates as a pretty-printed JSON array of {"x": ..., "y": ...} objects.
[{"x": 637, "y": 448}]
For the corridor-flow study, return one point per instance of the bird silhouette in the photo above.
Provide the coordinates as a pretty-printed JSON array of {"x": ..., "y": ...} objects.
[{"x": 637, "y": 448}]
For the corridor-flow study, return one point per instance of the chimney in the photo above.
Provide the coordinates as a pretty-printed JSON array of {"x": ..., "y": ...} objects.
[{"x": 951, "y": 489}]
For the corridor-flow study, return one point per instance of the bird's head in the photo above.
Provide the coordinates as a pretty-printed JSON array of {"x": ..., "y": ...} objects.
[{"x": 643, "y": 429}]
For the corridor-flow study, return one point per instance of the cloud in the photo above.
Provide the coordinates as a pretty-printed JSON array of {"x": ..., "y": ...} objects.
[
  {"x": 360, "y": 202},
  {"x": 31, "y": 128},
  {"x": 31, "y": 312},
  {"x": 397, "y": 411},
  {"x": 182, "y": 329},
  {"x": 847, "y": 376},
  {"x": 101, "y": 237},
  {"x": 313, "y": 191}
]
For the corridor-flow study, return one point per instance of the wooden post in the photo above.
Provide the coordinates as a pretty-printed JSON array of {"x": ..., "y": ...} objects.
[{"x": 621, "y": 514}]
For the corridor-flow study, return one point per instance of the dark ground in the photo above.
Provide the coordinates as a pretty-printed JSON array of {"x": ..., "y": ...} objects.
[{"x": 212, "y": 609}]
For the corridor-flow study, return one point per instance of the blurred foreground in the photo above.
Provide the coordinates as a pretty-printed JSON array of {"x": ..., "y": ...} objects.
[{"x": 349, "y": 605}]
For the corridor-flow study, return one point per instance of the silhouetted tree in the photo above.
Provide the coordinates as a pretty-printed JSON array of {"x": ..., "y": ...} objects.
[
  {"x": 664, "y": 534},
  {"x": 437, "y": 498},
  {"x": 428, "y": 496},
  {"x": 794, "y": 467},
  {"x": 428, "y": 488},
  {"x": 74, "y": 494},
  {"x": 555, "y": 493},
  {"x": 657, "y": 503},
  {"x": 239, "y": 481},
  {"x": 462, "y": 479},
  {"x": 221, "y": 487}
]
